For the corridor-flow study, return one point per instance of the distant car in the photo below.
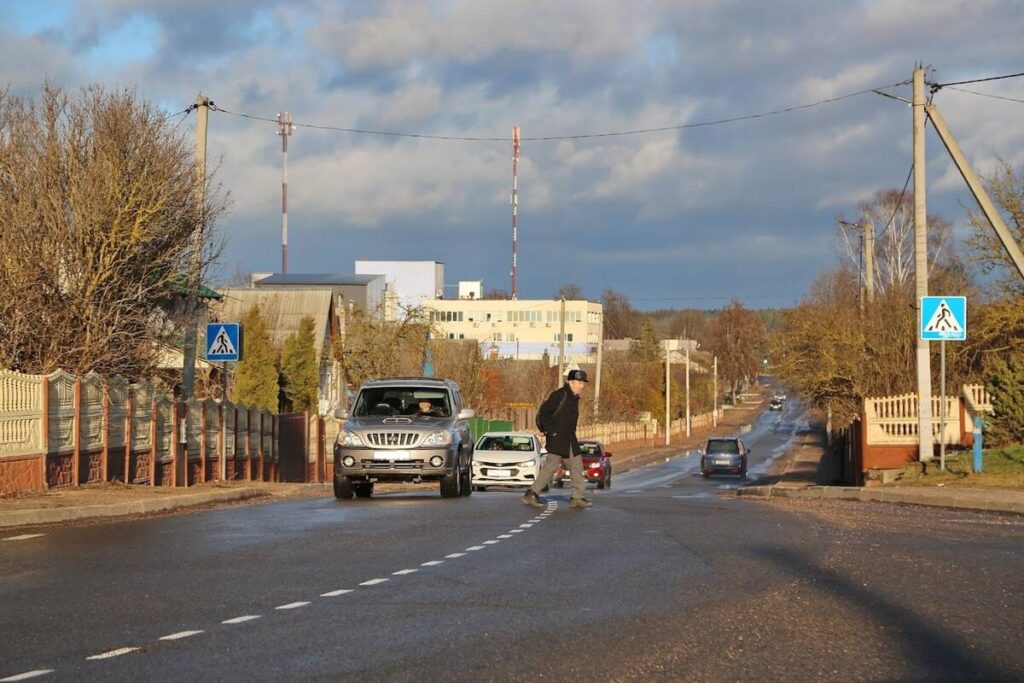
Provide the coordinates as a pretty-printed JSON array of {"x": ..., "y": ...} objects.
[
  {"x": 597, "y": 466},
  {"x": 775, "y": 404},
  {"x": 722, "y": 454},
  {"x": 781, "y": 395},
  {"x": 506, "y": 459}
]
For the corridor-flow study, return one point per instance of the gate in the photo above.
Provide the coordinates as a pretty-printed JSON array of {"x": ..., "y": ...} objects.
[{"x": 293, "y": 437}]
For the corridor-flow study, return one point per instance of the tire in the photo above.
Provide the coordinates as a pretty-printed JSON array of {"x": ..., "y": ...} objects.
[
  {"x": 450, "y": 484},
  {"x": 342, "y": 488},
  {"x": 363, "y": 490},
  {"x": 560, "y": 484},
  {"x": 600, "y": 484},
  {"x": 467, "y": 483}
]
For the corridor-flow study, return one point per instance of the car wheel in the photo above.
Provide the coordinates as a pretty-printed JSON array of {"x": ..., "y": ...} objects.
[
  {"x": 450, "y": 484},
  {"x": 467, "y": 482},
  {"x": 560, "y": 484},
  {"x": 342, "y": 488},
  {"x": 363, "y": 490},
  {"x": 600, "y": 483},
  {"x": 608, "y": 480}
]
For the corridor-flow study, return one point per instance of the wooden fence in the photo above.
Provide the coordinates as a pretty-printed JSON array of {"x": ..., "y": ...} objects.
[{"x": 64, "y": 430}]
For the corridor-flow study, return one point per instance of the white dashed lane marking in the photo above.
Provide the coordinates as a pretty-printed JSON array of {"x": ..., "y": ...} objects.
[
  {"x": 111, "y": 654},
  {"x": 241, "y": 620},
  {"x": 27, "y": 675},
  {"x": 180, "y": 634},
  {"x": 114, "y": 653},
  {"x": 292, "y": 605}
]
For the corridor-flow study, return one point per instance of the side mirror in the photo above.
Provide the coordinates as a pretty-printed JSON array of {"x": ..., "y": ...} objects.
[
  {"x": 466, "y": 413},
  {"x": 607, "y": 454},
  {"x": 340, "y": 414}
]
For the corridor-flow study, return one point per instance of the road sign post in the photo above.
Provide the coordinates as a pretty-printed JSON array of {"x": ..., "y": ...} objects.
[{"x": 943, "y": 318}]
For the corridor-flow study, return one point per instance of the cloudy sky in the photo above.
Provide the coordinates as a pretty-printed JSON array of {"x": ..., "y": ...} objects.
[{"x": 685, "y": 217}]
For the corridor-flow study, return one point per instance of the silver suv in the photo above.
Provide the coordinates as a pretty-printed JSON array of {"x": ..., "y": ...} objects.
[{"x": 405, "y": 429}]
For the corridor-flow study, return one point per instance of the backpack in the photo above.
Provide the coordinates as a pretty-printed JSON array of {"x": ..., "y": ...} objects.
[{"x": 558, "y": 409}]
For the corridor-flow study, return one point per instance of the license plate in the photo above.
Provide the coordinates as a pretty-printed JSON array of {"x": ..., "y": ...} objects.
[
  {"x": 499, "y": 473},
  {"x": 391, "y": 455},
  {"x": 723, "y": 461}
]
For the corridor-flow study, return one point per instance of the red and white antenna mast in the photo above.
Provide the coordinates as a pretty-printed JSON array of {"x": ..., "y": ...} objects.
[
  {"x": 515, "y": 206},
  {"x": 285, "y": 128}
]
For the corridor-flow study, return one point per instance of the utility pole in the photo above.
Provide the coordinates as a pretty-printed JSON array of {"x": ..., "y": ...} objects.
[
  {"x": 285, "y": 128},
  {"x": 687, "y": 388},
  {"x": 561, "y": 340},
  {"x": 188, "y": 370},
  {"x": 597, "y": 378},
  {"x": 668, "y": 397},
  {"x": 869, "y": 259},
  {"x": 714, "y": 400},
  {"x": 515, "y": 208},
  {"x": 924, "y": 371}
]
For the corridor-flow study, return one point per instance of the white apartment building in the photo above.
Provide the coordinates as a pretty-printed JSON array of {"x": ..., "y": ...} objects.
[
  {"x": 522, "y": 329},
  {"x": 411, "y": 284}
]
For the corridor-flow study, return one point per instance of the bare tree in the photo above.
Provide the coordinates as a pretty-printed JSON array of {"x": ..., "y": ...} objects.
[
  {"x": 737, "y": 337},
  {"x": 1006, "y": 187},
  {"x": 570, "y": 292},
  {"x": 98, "y": 209}
]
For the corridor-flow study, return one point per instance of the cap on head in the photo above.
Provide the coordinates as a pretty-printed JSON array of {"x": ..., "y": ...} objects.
[{"x": 579, "y": 375}]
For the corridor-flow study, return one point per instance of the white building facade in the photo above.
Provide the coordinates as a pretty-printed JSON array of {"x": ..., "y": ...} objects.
[
  {"x": 410, "y": 283},
  {"x": 522, "y": 329}
]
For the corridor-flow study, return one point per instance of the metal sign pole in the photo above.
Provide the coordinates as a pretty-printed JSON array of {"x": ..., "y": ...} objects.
[{"x": 942, "y": 406}]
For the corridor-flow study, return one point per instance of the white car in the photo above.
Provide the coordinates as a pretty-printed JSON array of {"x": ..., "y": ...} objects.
[{"x": 506, "y": 459}]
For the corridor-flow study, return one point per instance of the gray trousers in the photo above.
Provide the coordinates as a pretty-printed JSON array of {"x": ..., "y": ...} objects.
[{"x": 550, "y": 465}]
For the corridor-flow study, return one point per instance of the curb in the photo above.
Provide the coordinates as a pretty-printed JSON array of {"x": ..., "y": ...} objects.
[
  {"x": 136, "y": 507},
  {"x": 945, "y": 498}
]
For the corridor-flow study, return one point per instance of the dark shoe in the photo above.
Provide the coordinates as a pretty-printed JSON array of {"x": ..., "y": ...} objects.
[
  {"x": 532, "y": 499},
  {"x": 580, "y": 503}
]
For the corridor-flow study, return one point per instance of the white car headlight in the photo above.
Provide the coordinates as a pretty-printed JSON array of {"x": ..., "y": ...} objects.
[
  {"x": 527, "y": 463},
  {"x": 347, "y": 438},
  {"x": 437, "y": 439}
]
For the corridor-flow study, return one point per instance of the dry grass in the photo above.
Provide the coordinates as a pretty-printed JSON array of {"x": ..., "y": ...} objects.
[{"x": 1001, "y": 468}]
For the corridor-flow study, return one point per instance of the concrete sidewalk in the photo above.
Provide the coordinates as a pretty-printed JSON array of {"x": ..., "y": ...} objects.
[{"x": 810, "y": 474}]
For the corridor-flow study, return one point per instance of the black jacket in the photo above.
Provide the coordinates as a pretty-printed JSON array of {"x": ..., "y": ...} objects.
[{"x": 559, "y": 423}]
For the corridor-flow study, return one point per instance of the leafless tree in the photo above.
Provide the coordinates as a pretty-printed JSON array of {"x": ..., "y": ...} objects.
[{"x": 99, "y": 205}]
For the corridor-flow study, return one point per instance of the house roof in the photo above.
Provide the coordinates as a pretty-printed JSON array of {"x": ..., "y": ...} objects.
[
  {"x": 282, "y": 310},
  {"x": 327, "y": 279}
]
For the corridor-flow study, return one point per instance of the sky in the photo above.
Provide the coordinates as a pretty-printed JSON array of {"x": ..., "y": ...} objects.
[{"x": 689, "y": 216}]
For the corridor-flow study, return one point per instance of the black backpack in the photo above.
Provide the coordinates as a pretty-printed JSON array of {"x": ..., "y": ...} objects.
[{"x": 558, "y": 409}]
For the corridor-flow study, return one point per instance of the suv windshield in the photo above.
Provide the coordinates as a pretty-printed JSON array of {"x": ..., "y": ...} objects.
[
  {"x": 387, "y": 401},
  {"x": 723, "y": 446}
]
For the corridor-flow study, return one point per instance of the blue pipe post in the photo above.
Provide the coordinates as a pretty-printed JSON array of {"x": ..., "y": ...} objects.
[{"x": 977, "y": 444}]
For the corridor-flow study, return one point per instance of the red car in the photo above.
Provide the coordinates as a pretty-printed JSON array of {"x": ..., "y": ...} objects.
[{"x": 597, "y": 466}]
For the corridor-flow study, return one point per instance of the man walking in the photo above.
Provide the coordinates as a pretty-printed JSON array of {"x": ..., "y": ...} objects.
[{"x": 556, "y": 421}]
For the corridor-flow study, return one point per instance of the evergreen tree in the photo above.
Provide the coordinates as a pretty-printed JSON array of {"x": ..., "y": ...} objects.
[
  {"x": 1006, "y": 385},
  {"x": 300, "y": 375},
  {"x": 256, "y": 380}
]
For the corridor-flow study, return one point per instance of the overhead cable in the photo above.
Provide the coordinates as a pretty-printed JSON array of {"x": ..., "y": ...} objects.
[{"x": 640, "y": 131}]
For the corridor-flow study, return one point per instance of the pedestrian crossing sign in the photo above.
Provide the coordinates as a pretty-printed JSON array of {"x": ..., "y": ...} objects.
[
  {"x": 943, "y": 318},
  {"x": 223, "y": 342}
]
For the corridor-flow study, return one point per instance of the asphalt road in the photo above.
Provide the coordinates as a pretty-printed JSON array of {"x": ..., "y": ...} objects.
[{"x": 667, "y": 577}]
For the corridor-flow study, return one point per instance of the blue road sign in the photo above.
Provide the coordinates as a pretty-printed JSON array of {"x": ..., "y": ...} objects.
[
  {"x": 944, "y": 318},
  {"x": 223, "y": 341}
]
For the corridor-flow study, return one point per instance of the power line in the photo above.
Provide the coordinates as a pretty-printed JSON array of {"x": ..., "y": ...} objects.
[
  {"x": 936, "y": 86},
  {"x": 580, "y": 136},
  {"x": 899, "y": 202},
  {"x": 985, "y": 94}
]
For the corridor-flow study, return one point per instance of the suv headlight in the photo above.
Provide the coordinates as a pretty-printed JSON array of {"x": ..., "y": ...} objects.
[
  {"x": 437, "y": 439},
  {"x": 347, "y": 438}
]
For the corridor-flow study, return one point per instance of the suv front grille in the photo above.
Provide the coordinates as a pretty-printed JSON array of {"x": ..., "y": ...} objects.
[{"x": 393, "y": 439}]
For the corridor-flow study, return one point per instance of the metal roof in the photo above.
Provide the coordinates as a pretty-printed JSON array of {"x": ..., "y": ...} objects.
[
  {"x": 282, "y": 311},
  {"x": 311, "y": 279}
]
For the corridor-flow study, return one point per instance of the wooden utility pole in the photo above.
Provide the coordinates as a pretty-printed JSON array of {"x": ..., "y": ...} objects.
[
  {"x": 668, "y": 397},
  {"x": 687, "y": 388},
  {"x": 924, "y": 371},
  {"x": 869, "y": 259},
  {"x": 561, "y": 341},
  {"x": 188, "y": 371}
]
